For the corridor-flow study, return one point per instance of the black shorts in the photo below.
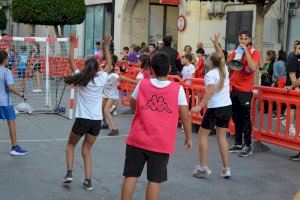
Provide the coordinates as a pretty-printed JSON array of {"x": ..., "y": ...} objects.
[
  {"x": 156, "y": 164},
  {"x": 82, "y": 126},
  {"x": 219, "y": 117}
]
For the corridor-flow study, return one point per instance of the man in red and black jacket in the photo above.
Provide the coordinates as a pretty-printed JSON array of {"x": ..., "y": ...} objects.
[{"x": 242, "y": 83}]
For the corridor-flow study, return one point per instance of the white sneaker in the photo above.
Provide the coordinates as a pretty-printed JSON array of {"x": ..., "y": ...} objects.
[
  {"x": 225, "y": 172},
  {"x": 283, "y": 122},
  {"x": 112, "y": 108},
  {"x": 201, "y": 172}
]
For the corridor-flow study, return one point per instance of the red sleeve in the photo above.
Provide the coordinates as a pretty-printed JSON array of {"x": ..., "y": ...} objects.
[
  {"x": 178, "y": 56},
  {"x": 256, "y": 56}
]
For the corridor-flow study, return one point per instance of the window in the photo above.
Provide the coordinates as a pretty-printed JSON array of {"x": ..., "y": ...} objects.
[{"x": 97, "y": 23}]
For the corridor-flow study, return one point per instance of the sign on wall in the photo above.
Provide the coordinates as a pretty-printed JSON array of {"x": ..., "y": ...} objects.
[{"x": 172, "y": 2}]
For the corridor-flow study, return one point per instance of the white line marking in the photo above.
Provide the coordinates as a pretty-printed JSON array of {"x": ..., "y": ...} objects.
[{"x": 65, "y": 139}]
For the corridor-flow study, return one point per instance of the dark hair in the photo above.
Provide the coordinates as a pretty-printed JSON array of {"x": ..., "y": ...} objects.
[
  {"x": 89, "y": 71},
  {"x": 189, "y": 57},
  {"x": 225, "y": 55},
  {"x": 4, "y": 34},
  {"x": 98, "y": 43},
  {"x": 297, "y": 42},
  {"x": 188, "y": 46},
  {"x": 152, "y": 44},
  {"x": 23, "y": 48},
  {"x": 247, "y": 33},
  {"x": 160, "y": 64},
  {"x": 282, "y": 56},
  {"x": 218, "y": 61},
  {"x": 126, "y": 48},
  {"x": 200, "y": 50},
  {"x": 114, "y": 60},
  {"x": 143, "y": 44},
  {"x": 145, "y": 50},
  {"x": 3, "y": 56},
  {"x": 137, "y": 48},
  {"x": 145, "y": 60},
  {"x": 167, "y": 41},
  {"x": 272, "y": 55}
]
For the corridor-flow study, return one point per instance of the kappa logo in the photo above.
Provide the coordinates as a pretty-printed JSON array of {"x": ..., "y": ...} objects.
[{"x": 157, "y": 104}]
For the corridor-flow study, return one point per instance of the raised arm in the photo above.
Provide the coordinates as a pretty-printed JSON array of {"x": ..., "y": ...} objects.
[
  {"x": 215, "y": 41},
  {"x": 71, "y": 52},
  {"x": 106, "y": 41}
]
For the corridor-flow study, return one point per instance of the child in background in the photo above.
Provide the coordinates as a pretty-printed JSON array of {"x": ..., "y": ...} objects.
[
  {"x": 200, "y": 66},
  {"x": 145, "y": 51},
  {"x": 133, "y": 56},
  {"x": 98, "y": 51},
  {"x": 90, "y": 83},
  {"x": 36, "y": 66},
  {"x": 188, "y": 70},
  {"x": 22, "y": 66},
  {"x": 110, "y": 97},
  {"x": 7, "y": 111},
  {"x": 11, "y": 58},
  {"x": 125, "y": 53},
  {"x": 145, "y": 73},
  {"x": 150, "y": 140},
  {"x": 152, "y": 50}
]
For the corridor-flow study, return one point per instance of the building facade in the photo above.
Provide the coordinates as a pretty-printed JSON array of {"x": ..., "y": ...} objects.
[{"x": 136, "y": 21}]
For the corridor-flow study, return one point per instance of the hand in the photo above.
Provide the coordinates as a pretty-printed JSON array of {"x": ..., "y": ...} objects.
[
  {"x": 196, "y": 109},
  {"x": 287, "y": 88},
  {"x": 215, "y": 38},
  {"x": 244, "y": 47},
  {"x": 188, "y": 143},
  {"x": 73, "y": 37},
  {"x": 23, "y": 97},
  {"x": 107, "y": 40}
]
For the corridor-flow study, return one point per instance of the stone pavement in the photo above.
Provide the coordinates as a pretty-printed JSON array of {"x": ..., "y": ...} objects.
[{"x": 264, "y": 176}]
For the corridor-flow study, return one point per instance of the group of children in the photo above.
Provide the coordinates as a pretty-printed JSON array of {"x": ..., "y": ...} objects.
[{"x": 149, "y": 141}]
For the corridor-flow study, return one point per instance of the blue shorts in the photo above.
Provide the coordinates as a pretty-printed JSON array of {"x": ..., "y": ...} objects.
[
  {"x": 21, "y": 73},
  {"x": 7, "y": 113}
]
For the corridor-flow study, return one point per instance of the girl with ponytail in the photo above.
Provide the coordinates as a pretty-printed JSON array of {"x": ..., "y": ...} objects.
[
  {"x": 218, "y": 113},
  {"x": 89, "y": 84}
]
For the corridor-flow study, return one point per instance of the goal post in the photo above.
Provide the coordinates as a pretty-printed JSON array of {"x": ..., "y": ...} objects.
[{"x": 39, "y": 65}]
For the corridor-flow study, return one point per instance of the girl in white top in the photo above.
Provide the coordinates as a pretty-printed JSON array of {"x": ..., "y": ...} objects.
[
  {"x": 110, "y": 98},
  {"x": 218, "y": 114},
  {"x": 89, "y": 84}
]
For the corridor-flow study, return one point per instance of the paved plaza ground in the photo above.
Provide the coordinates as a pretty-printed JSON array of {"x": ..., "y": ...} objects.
[{"x": 264, "y": 176}]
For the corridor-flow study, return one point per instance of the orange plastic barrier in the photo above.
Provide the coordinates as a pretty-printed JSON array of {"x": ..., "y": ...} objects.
[{"x": 272, "y": 131}]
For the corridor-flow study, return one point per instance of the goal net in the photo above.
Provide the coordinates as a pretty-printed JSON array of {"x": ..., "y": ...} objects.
[{"x": 39, "y": 65}]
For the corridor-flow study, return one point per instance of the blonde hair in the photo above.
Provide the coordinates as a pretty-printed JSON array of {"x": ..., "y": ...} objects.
[{"x": 218, "y": 61}]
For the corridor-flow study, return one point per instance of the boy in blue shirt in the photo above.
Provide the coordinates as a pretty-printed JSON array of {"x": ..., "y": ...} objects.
[
  {"x": 22, "y": 66},
  {"x": 7, "y": 111},
  {"x": 97, "y": 51}
]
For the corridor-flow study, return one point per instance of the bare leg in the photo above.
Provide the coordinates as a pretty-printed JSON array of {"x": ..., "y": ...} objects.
[
  {"x": 12, "y": 132},
  {"x": 37, "y": 80},
  {"x": 153, "y": 190},
  {"x": 107, "y": 114},
  {"x": 72, "y": 142},
  {"x": 203, "y": 145},
  {"x": 128, "y": 188},
  {"x": 104, "y": 101},
  {"x": 87, "y": 144},
  {"x": 223, "y": 145}
]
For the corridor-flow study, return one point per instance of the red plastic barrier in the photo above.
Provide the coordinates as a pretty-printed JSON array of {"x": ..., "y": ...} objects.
[{"x": 265, "y": 131}]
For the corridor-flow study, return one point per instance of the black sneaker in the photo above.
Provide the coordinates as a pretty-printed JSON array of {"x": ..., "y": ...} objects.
[
  {"x": 68, "y": 178},
  {"x": 235, "y": 149},
  {"x": 247, "y": 151},
  {"x": 114, "y": 132},
  {"x": 274, "y": 116},
  {"x": 295, "y": 157},
  {"x": 104, "y": 126},
  {"x": 87, "y": 184}
]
